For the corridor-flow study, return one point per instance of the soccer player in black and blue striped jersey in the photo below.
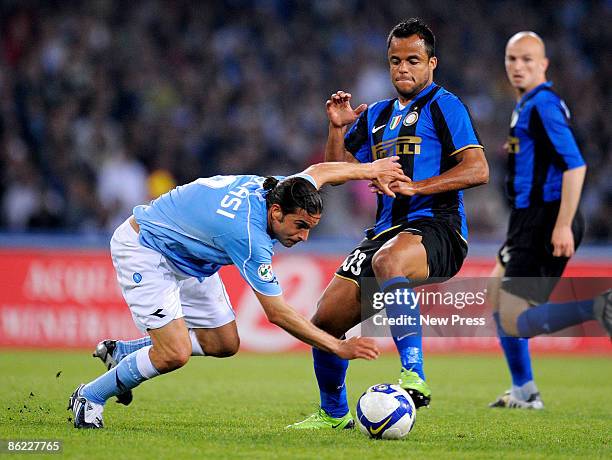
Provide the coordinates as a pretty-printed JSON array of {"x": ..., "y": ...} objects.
[
  {"x": 420, "y": 233},
  {"x": 544, "y": 181}
]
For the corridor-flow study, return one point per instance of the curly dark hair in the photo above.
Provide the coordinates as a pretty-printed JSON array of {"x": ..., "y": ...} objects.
[{"x": 292, "y": 194}]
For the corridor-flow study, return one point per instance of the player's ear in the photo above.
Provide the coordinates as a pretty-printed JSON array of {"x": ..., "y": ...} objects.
[
  {"x": 276, "y": 213},
  {"x": 433, "y": 62},
  {"x": 544, "y": 65}
]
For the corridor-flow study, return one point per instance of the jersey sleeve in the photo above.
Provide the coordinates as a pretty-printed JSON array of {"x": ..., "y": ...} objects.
[
  {"x": 454, "y": 125},
  {"x": 555, "y": 115},
  {"x": 251, "y": 253},
  {"x": 357, "y": 139}
]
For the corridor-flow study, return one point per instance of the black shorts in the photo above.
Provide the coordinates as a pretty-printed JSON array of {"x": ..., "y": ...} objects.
[
  {"x": 532, "y": 271},
  {"x": 446, "y": 250}
]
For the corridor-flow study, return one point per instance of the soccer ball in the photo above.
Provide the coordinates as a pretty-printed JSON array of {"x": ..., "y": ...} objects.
[{"x": 385, "y": 411}]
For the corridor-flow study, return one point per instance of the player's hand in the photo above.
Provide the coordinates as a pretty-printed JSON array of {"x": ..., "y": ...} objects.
[
  {"x": 358, "y": 347},
  {"x": 339, "y": 110},
  {"x": 386, "y": 171},
  {"x": 506, "y": 148},
  {"x": 563, "y": 241},
  {"x": 403, "y": 187}
]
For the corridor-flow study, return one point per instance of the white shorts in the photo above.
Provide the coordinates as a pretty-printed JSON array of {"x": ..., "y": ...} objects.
[{"x": 158, "y": 293}]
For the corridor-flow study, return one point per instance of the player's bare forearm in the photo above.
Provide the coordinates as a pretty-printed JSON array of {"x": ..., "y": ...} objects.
[
  {"x": 334, "y": 148},
  {"x": 282, "y": 315},
  {"x": 385, "y": 171},
  {"x": 340, "y": 115},
  {"x": 571, "y": 189},
  {"x": 338, "y": 172},
  {"x": 302, "y": 329},
  {"x": 562, "y": 236},
  {"x": 471, "y": 170}
]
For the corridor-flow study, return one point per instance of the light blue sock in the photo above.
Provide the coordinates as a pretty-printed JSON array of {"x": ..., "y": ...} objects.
[
  {"x": 125, "y": 347},
  {"x": 129, "y": 373},
  {"x": 552, "y": 317},
  {"x": 330, "y": 371},
  {"x": 408, "y": 338},
  {"x": 516, "y": 351}
]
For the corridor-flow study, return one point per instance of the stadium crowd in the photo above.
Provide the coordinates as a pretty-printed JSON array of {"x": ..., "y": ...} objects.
[{"x": 104, "y": 105}]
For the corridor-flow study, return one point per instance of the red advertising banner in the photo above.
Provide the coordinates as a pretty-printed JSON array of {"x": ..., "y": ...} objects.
[
  {"x": 70, "y": 299},
  {"x": 60, "y": 299}
]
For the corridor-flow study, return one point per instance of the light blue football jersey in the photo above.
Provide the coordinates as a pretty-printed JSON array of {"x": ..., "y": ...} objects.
[{"x": 211, "y": 222}]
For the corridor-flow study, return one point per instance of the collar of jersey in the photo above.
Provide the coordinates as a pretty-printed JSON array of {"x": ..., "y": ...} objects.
[
  {"x": 529, "y": 94},
  {"x": 424, "y": 92}
]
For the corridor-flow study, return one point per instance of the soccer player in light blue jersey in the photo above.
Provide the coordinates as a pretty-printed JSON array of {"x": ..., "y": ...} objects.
[{"x": 167, "y": 256}]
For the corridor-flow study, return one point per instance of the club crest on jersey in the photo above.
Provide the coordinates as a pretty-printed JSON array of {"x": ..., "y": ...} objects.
[
  {"x": 395, "y": 121},
  {"x": 411, "y": 119},
  {"x": 265, "y": 272}
]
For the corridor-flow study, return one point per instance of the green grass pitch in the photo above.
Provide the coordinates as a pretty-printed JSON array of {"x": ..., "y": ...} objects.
[{"x": 238, "y": 407}]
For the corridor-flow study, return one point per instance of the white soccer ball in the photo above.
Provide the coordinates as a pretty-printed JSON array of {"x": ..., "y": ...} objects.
[{"x": 385, "y": 411}]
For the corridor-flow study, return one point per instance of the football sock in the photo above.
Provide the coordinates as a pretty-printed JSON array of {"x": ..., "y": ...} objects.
[
  {"x": 196, "y": 348},
  {"x": 330, "y": 371},
  {"x": 524, "y": 391},
  {"x": 516, "y": 350},
  {"x": 552, "y": 317},
  {"x": 125, "y": 347},
  {"x": 129, "y": 373},
  {"x": 408, "y": 338}
]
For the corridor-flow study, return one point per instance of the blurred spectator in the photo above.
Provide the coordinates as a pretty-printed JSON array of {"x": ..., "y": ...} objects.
[
  {"x": 104, "y": 105},
  {"x": 122, "y": 184}
]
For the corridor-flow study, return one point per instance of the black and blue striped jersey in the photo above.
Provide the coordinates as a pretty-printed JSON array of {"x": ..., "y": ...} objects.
[
  {"x": 541, "y": 146},
  {"x": 425, "y": 134}
]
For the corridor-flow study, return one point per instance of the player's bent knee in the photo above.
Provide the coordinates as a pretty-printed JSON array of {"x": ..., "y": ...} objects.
[
  {"x": 510, "y": 307},
  {"x": 228, "y": 347},
  {"x": 384, "y": 262},
  {"x": 320, "y": 321},
  {"x": 176, "y": 362},
  {"x": 172, "y": 359},
  {"x": 338, "y": 308},
  {"x": 507, "y": 320},
  {"x": 323, "y": 317},
  {"x": 332, "y": 325},
  {"x": 316, "y": 320}
]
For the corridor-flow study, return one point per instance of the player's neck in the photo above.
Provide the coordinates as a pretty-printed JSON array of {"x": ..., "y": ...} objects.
[
  {"x": 404, "y": 101},
  {"x": 520, "y": 92}
]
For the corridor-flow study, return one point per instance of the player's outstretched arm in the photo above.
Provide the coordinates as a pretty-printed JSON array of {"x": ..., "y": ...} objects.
[
  {"x": 383, "y": 171},
  {"x": 341, "y": 115},
  {"x": 471, "y": 170},
  {"x": 280, "y": 313}
]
